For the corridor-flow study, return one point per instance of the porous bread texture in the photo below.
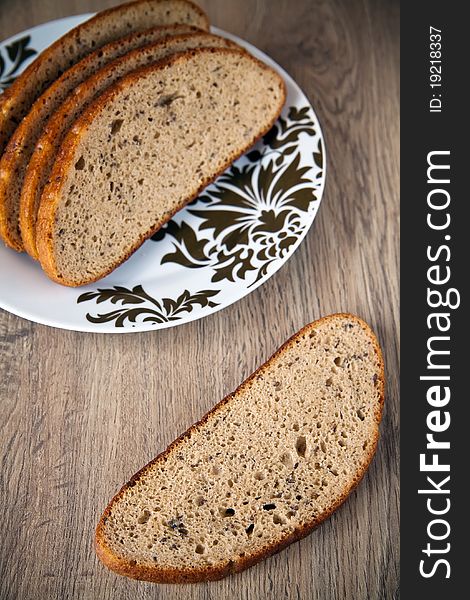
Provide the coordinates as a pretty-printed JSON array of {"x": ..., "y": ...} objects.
[
  {"x": 261, "y": 469},
  {"x": 48, "y": 144},
  {"x": 143, "y": 149},
  {"x": 15, "y": 159},
  {"x": 104, "y": 27}
]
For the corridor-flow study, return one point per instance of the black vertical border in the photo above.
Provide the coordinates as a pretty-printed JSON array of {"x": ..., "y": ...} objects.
[{"x": 421, "y": 133}]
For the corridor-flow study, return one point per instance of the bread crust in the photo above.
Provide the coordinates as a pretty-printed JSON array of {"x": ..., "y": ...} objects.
[
  {"x": 5, "y": 180},
  {"x": 13, "y": 93},
  {"x": 22, "y": 135},
  {"x": 65, "y": 159},
  {"x": 214, "y": 572}
]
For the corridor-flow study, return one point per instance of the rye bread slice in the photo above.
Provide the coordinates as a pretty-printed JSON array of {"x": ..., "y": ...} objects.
[
  {"x": 261, "y": 470},
  {"x": 42, "y": 159},
  {"x": 145, "y": 148},
  {"x": 103, "y": 28},
  {"x": 19, "y": 149}
]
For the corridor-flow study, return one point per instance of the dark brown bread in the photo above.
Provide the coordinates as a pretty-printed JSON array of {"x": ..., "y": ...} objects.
[
  {"x": 146, "y": 147},
  {"x": 103, "y": 28},
  {"x": 15, "y": 159},
  {"x": 261, "y": 470},
  {"x": 42, "y": 159}
]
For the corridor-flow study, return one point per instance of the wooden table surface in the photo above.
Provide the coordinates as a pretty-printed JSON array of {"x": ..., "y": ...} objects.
[{"x": 82, "y": 412}]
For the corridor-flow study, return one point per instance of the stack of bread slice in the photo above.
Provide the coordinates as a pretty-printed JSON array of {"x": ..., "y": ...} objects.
[{"x": 118, "y": 125}]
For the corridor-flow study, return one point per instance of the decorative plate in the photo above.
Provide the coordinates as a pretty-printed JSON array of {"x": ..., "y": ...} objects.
[{"x": 218, "y": 249}]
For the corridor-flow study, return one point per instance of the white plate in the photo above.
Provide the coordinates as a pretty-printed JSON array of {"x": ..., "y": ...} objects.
[{"x": 218, "y": 249}]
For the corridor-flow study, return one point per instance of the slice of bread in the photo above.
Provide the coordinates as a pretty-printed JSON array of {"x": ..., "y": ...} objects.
[
  {"x": 19, "y": 149},
  {"x": 42, "y": 159},
  {"x": 103, "y": 28},
  {"x": 146, "y": 147},
  {"x": 261, "y": 470}
]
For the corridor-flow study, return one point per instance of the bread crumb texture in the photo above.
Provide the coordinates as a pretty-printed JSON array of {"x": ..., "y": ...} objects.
[
  {"x": 153, "y": 142},
  {"x": 42, "y": 161},
  {"x": 261, "y": 469}
]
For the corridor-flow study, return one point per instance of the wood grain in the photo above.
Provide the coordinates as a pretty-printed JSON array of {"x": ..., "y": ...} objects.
[{"x": 83, "y": 412}]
